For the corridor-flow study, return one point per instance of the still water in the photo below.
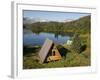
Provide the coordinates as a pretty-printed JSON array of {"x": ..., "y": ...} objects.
[{"x": 33, "y": 39}]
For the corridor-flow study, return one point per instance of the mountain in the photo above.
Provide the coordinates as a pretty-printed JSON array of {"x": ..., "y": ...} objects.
[
  {"x": 81, "y": 25},
  {"x": 28, "y": 20}
]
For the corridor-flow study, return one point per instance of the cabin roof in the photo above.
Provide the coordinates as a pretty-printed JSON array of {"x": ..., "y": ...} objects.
[{"x": 45, "y": 49}]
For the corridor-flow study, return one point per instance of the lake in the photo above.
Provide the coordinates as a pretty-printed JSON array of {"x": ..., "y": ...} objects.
[{"x": 33, "y": 39}]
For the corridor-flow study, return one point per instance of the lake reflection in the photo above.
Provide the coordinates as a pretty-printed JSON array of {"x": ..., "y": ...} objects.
[{"x": 33, "y": 39}]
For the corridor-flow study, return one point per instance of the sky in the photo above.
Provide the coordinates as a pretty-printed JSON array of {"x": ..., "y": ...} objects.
[{"x": 53, "y": 16}]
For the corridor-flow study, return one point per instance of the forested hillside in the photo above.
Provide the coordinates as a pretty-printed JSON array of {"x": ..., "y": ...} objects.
[{"x": 81, "y": 25}]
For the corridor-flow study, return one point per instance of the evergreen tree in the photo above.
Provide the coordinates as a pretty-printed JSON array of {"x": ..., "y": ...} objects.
[{"x": 76, "y": 43}]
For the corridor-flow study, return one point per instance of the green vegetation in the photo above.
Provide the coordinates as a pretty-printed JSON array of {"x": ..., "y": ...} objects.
[
  {"x": 78, "y": 54},
  {"x": 76, "y": 45},
  {"x": 81, "y": 26}
]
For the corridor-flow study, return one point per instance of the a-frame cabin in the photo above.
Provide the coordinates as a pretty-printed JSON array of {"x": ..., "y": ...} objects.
[{"x": 49, "y": 52}]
